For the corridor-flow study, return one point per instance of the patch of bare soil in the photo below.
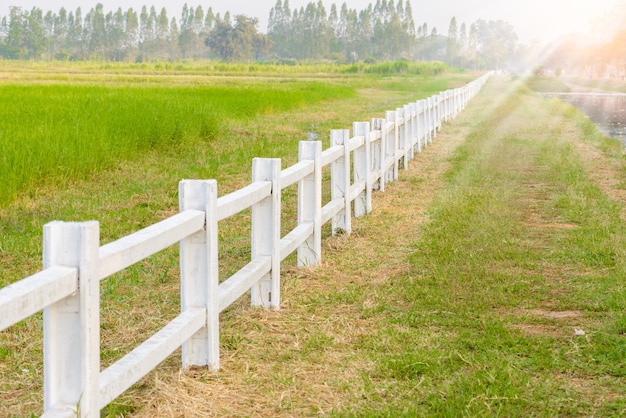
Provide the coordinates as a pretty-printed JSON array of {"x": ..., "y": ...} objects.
[
  {"x": 607, "y": 172},
  {"x": 556, "y": 324}
]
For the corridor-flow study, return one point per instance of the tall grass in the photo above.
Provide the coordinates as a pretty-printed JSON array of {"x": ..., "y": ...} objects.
[{"x": 51, "y": 132}]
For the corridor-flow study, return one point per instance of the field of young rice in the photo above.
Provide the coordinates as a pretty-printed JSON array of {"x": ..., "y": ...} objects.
[{"x": 53, "y": 131}]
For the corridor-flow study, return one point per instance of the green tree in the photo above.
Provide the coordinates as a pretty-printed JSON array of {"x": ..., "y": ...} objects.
[
  {"x": 173, "y": 39},
  {"x": 37, "y": 40},
  {"x": 408, "y": 24},
  {"x": 236, "y": 42},
  {"x": 48, "y": 29},
  {"x": 162, "y": 30},
  {"x": 26, "y": 37},
  {"x": 61, "y": 30},
  {"x": 16, "y": 34},
  {"x": 131, "y": 41},
  {"x": 115, "y": 36},
  {"x": 472, "y": 46},
  {"x": 463, "y": 43},
  {"x": 187, "y": 39},
  {"x": 94, "y": 31},
  {"x": 279, "y": 29},
  {"x": 452, "y": 46},
  {"x": 496, "y": 43}
]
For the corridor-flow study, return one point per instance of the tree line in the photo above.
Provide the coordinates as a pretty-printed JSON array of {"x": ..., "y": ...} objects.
[
  {"x": 599, "y": 60},
  {"x": 382, "y": 31}
]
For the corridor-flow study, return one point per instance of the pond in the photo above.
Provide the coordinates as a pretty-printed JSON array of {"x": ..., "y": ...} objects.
[{"x": 606, "y": 110}]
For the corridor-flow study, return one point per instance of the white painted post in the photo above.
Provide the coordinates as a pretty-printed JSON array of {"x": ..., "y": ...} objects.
[
  {"x": 410, "y": 129},
  {"x": 379, "y": 152},
  {"x": 266, "y": 232},
  {"x": 420, "y": 125},
  {"x": 72, "y": 325},
  {"x": 310, "y": 204},
  {"x": 199, "y": 274},
  {"x": 340, "y": 181},
  {"x": 362, "y": 170},
  {"x": 440, "y": 100},
  {"x": 431, "y": 120},
  {"x": 450, "y": 104},
  {"x": 392, "y": 145},
  {"x": 453, "y": 106},
  {"x": 437, "y": 115},
  {"x": 461, "y": 101},
  {"x": 444, "y": 105},
  {"x": 401, "y": 152},
  {"x": 426, "y": 122},
  {"x": 441, "y": 109},
  {"x": 450, "y": 100}
]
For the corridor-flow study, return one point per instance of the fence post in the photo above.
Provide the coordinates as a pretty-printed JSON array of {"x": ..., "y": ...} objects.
[
  {"x": 310, "y": 204},
  {"x": 425, "y": 125},
  {"x": 266, "y": 232},
  {"x": 442, "y": 109},
  {"x": 419, "y": 126},
  {"x": 72, "y": 325},
  {"x": 401, "y": 153},
  {"x": 340, "y": 181},
  {"x": 444, "y": 105},
  {"x": 362, "y": 169},
  {"x": 392, "y": 144},
  {"x": 463, "y": 95},
  {"x": 410, "y": 110},
  {"x": 450, "y": 104},
  {"x": 199, "y": 273},
  {"x": 437, "y": 121},
  {"x": 431, "y": 120},
  {"x": 379, "y": 152}
]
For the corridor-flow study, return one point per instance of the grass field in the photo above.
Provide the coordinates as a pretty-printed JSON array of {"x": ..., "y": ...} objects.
[{"x": 111, "y": 143}]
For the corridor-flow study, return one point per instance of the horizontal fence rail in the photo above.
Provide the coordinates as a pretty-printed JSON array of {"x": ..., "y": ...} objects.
[{"x": 68, "y": 287}]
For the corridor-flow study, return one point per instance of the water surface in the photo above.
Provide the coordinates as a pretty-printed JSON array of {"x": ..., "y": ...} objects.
[{"x": 606, "y": 110}]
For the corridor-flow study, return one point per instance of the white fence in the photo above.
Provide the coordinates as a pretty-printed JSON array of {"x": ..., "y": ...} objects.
[{"x": 68, "y": 288}]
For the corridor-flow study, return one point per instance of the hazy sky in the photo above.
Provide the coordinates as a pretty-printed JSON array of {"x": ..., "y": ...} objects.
[{"x": 533, "y": 19}]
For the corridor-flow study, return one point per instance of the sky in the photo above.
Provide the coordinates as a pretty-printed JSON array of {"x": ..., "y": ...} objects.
[{"x": 539, "y": 20}]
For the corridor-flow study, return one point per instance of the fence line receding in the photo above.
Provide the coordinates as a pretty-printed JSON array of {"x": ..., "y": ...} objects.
[{"x": 68, "y": 287}]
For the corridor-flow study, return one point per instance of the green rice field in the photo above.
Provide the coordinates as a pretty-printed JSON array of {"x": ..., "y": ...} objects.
[{"x": 57, "y": 130}]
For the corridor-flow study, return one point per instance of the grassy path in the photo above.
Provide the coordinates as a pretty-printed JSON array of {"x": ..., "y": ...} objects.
[{"x": 489, "y": 280}]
